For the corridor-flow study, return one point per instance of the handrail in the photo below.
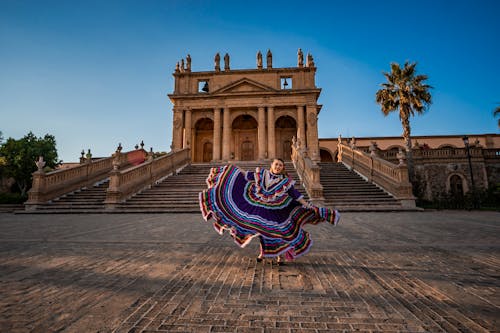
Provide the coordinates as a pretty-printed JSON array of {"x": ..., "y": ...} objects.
[
  {"x": 391, "y": 177},
  {"x": 125, "y": 183},
  {"x": 309, "y": 173},
  {"x": 48, "y": 186}
]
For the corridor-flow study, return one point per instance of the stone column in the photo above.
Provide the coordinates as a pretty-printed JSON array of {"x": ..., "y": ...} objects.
[
  {"x": 262, "y": 133},
  {"x": 271, "y": 133},
  {"x": 226, "y": 135},
  {"x": 312, "y": 132},
  {"x": 187, "y": 129},
  {"x": 216, "y": 151},
  {"x": 301, "y": 130},
  {"x": 177, "y": 130}
]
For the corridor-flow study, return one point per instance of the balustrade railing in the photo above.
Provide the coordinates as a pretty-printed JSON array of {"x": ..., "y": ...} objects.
[
  {"x": 309, "y": 173},
  {"x": 391, "y": 177},
  {"x": 442, "y": 153},
  {"x": 125, "y": 183},
  {"x": 491, "y": 153},
  {"x": 48, "y": 186}
]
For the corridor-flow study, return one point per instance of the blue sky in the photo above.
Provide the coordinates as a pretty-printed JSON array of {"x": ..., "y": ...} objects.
[{"x": 95, "y": 73}]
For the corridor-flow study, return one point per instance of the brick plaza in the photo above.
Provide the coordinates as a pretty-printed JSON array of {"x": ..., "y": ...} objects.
[{"x": 375, "y": 272}]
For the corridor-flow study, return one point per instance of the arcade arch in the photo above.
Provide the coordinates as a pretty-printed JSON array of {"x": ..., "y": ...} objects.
[
  {"x": 203, "y": 140},
  {"x": 245, "y": 138},
  {"x": 285, "y": 129}
]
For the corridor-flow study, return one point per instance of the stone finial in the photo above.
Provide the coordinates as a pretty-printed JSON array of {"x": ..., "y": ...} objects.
[
  {"x": 40, "y": 163},
  {"x": 188, "y": 63},
  {"x": 142, "y": 144},
  {"x": 182, "y": 66},
  {"x": 401, "y": 156},
  {"x": 89, "y": 155},
  {"x": 136, "y": 146},
  {"x": 353, "y": 142},
  {"x": 259, "y": 60},
  {"x": 269, "y": 57},
  {"x": 150, "y": 154},
  {"x": 226, "y": 62},
  {"x": 300, "y": 58},
  {"x": 299, "y": 143},
  {"x": 373, "y": 148},
  {"x": 82, "y": 156},
  {"x": 177, "y": 67},
  {"x": 119, "y": 148},
  {"x": 217, "y": 62}
]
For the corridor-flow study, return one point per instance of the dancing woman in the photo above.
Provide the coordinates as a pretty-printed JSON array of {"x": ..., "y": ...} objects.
[{"x": 262, "y": 204}]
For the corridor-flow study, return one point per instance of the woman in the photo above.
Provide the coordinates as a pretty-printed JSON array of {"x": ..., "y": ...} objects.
[{"x": 263, "y": 203}]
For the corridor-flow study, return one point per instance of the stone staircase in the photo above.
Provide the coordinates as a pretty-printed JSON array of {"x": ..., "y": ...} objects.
[
  {"x": 347, "y": 191},
  {"x": 343, "y": 189},
  {"x": 87, "y": 200},
  {"x": 175, "y": 194},
  {"x": 179, "y": 193}
]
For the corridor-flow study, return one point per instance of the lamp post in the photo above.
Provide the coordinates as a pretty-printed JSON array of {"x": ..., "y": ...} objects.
[{"x": 467, "y": 151}]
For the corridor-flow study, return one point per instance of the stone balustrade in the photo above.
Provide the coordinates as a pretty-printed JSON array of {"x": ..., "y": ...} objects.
[
  {"x": 125, "y": 183},
  {"x": 443, "y": 153},
  {"x": 309, "y": 173},
  {"x": 391, "y": 177},
  {"x": 48, "y": 186},
  {"x": 491, "y": 153}
]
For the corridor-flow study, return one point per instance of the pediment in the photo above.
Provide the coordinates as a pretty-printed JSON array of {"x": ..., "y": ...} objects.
[{"x": 244, "y": 85}]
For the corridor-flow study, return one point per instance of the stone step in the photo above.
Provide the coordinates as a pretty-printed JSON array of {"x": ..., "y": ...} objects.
[{"x": 348, "y": 191}]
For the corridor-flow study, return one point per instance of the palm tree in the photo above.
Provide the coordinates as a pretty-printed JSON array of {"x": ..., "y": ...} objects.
[
  {"x": 407, "y": 93},
  {"x": 496, "y": 112}
]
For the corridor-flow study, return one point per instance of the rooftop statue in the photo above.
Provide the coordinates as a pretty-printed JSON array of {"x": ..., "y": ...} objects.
[
  {"x": 300, "y": 58},
  {"x": 259, "y": 60},
  {"x": 217, "y": 62},
  {"x": 269, "y": 56}
]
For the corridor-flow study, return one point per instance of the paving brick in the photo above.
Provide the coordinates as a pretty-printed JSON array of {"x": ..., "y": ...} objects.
[{"x": 375, "y": 272}]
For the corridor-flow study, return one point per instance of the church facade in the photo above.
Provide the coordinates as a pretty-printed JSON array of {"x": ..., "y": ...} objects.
[{"x": 245, "y": 115}]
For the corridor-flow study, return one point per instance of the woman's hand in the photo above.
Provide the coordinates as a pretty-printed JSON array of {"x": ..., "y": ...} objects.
[{"x": 305, "y": 203}]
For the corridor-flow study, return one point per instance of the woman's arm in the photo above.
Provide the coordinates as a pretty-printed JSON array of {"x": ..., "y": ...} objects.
[
  {"x": 297, "y": 196},
  {"x": 250, "y": 176}
]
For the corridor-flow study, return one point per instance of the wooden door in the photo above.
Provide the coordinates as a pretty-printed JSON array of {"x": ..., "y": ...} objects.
[
  {"x": 247, "y": 151},
  {"x": 207, "y": 151}
]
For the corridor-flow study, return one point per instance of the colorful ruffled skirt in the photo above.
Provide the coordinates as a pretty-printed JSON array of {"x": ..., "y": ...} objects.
[{"x": 237, "y": 205}]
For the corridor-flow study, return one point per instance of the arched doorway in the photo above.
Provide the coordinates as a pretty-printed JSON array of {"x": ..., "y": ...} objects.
[
  {"x": 286, "y": 129},
  {"x": 456, "y": 186},
  {"x": 202, "y": 143},
  {"x": 325, "y": 155},
  {"x": 245, "y": 138}
]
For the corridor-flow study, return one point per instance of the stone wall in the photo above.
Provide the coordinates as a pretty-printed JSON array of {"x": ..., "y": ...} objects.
[{"x": 434, "y": 178}]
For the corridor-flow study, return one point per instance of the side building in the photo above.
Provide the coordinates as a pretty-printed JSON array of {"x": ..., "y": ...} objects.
[{"x": 446, "y": 166}]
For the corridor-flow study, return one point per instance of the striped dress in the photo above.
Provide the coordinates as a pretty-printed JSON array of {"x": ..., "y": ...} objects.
[{"x": 260, "y": 204}]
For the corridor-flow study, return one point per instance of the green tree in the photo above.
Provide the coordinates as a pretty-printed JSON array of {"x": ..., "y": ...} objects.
[
  {"x": 496, "y": 113},
  {"x": 405, "y": 92},
  {"x": 18, "y": 158}
]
